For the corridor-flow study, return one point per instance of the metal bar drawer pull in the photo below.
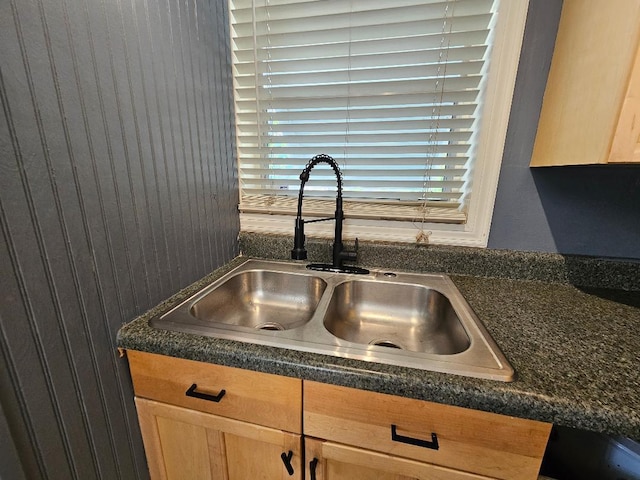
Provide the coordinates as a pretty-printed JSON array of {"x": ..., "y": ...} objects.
[
  {"x": 433, "y": 444},
  {"x": 191, "y": 392}
]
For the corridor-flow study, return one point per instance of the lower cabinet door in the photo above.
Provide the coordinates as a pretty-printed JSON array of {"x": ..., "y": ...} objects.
[
  {"x": 333, "y": 461},
  {"x": 186, "y": 444}
]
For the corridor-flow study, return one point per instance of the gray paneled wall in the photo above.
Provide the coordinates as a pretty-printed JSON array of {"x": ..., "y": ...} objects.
[{"x": 117, "y": 188}]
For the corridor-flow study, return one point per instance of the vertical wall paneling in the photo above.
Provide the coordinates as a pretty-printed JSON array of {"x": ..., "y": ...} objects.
[
  {"x": 117, "y": 188},
  {"x": 11, "y": 466}
]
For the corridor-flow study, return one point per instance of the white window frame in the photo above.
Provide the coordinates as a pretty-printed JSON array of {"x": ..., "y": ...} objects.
[{"x": 508, "y": 35}]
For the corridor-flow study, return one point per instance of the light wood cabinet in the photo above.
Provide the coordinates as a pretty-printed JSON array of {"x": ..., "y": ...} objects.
[
  {"x": 438, "y": 439},
  {"x": 260, "y": 398},
  {"x": 591, "y": 108},
  {"x": 334, "y": 461},
  {"x": 233, "y": 425},
  {"x": 187, "y": 444},
  {"x": 248, "y": 425}
]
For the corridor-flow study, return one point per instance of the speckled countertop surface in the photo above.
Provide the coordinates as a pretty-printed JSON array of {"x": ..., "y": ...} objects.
[{"x": 576, "y": 351}]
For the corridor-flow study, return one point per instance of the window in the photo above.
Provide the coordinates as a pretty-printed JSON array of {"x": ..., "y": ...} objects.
[{"x": 411, "y": 97}]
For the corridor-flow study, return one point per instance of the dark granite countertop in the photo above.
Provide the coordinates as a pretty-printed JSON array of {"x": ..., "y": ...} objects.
[{"x": 575, "y": 350}]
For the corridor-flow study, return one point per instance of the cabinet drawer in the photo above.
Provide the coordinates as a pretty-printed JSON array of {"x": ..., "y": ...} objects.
[
  {"x": 259, "y": 398},
  {"x": 469, "y": 440}
]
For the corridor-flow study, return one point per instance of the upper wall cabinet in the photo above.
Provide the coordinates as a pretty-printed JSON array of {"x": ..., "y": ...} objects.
[{"x": 591, "y": 108}]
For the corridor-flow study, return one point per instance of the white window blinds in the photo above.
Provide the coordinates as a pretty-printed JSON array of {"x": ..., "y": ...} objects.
[{"x": 392, "y": 89}]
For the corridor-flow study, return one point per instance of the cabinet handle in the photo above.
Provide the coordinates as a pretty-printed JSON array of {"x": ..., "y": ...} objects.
[
  {"x": 312, "y": 468},
  {"x": 433, "y": 444},
  {"x": 286, "y": 459},
  {"x": 191, "y": 392}
]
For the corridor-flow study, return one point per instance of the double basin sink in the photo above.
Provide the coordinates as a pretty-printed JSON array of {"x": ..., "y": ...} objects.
[{"x": 411, "y": 320}]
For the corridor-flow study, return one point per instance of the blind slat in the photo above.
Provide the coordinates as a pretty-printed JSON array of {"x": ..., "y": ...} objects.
[
  {"x": 373, "y": 184},
  {"x": 348, "y": 90},
  {"x": 451, "y": 198},
  {"x": 346, "y": 62},
  {"x": 366, "y": 76},
  {"x": 369, "y": 162},
  {"x": 340, "y": 9},
  {"x": 446, "y": 101},
  {"x": 469, "y": 14},
  {"x": 415, "y": 171},
  {"x": 337, "y": 149},
  {"x": 359, "y": 139},
  {"x": 330, "y": 4},
  {"x": 378, "y": 125},
  {"x": 315, "y": 45}
]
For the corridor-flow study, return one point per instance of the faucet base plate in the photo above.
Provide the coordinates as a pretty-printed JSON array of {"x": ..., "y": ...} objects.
[{"x": 325, "y": 267}]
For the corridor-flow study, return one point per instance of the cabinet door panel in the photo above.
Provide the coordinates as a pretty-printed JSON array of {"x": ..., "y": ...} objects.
[
  {"x": 591, "y": 102},
  {"x": 253, "y": 459},
  {"x": 626, "y": 140},
  {"x": 184, "y": 449},
  {"x": 335, "y": 470},
  {"x": 186, "y": 444},
  {"x": 341, "y": 462}
]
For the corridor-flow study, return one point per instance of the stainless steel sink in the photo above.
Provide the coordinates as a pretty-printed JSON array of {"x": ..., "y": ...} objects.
[
  {"x": 396, "y": 315},
  {"x": 262, "y": 299},
  {"x": 411, "y": 320}
]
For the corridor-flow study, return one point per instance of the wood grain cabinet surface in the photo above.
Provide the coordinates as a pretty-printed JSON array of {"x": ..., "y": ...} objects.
[
  {"x": 248, "y": 425},
  {"x": 239, "y": 425},
  {"x": 260, "y": 398},
  {"x": 419, "y": 436},
  {"x": 591, "y": 108},
  {"x": 187, "y": 444},
  {"x": 334, "y": 461}
]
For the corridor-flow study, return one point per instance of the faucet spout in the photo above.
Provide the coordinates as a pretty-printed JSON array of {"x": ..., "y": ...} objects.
[{"x": 299, "y": 251}]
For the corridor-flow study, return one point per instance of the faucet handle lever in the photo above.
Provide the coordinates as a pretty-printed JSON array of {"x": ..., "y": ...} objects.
[{"x": 350, "y": 255}]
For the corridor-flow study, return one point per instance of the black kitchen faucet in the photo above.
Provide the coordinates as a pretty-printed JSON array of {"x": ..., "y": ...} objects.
[{"x": 299, "y": 251}]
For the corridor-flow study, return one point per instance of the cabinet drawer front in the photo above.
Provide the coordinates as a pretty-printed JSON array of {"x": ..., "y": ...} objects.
[
  {"x": 259, "y": 398},
  {"x": 479, "y": 442}
]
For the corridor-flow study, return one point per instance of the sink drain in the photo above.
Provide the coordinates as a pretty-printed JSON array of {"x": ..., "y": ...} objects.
[
  {"x": 386, "y": 343},
  {"x": 270, "y": 326}
]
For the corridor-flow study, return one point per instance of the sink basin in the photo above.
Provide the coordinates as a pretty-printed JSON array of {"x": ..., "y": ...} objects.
[
  {"x": 261, "y": 299},
  {"x": 395, "y": 315},
  {"x": 396, "y": 318}
]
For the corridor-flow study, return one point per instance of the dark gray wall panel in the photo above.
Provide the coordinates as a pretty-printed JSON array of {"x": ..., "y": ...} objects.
[
  {"x": 117, "y": 188},
  {"x": 11, "y": 466}
]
